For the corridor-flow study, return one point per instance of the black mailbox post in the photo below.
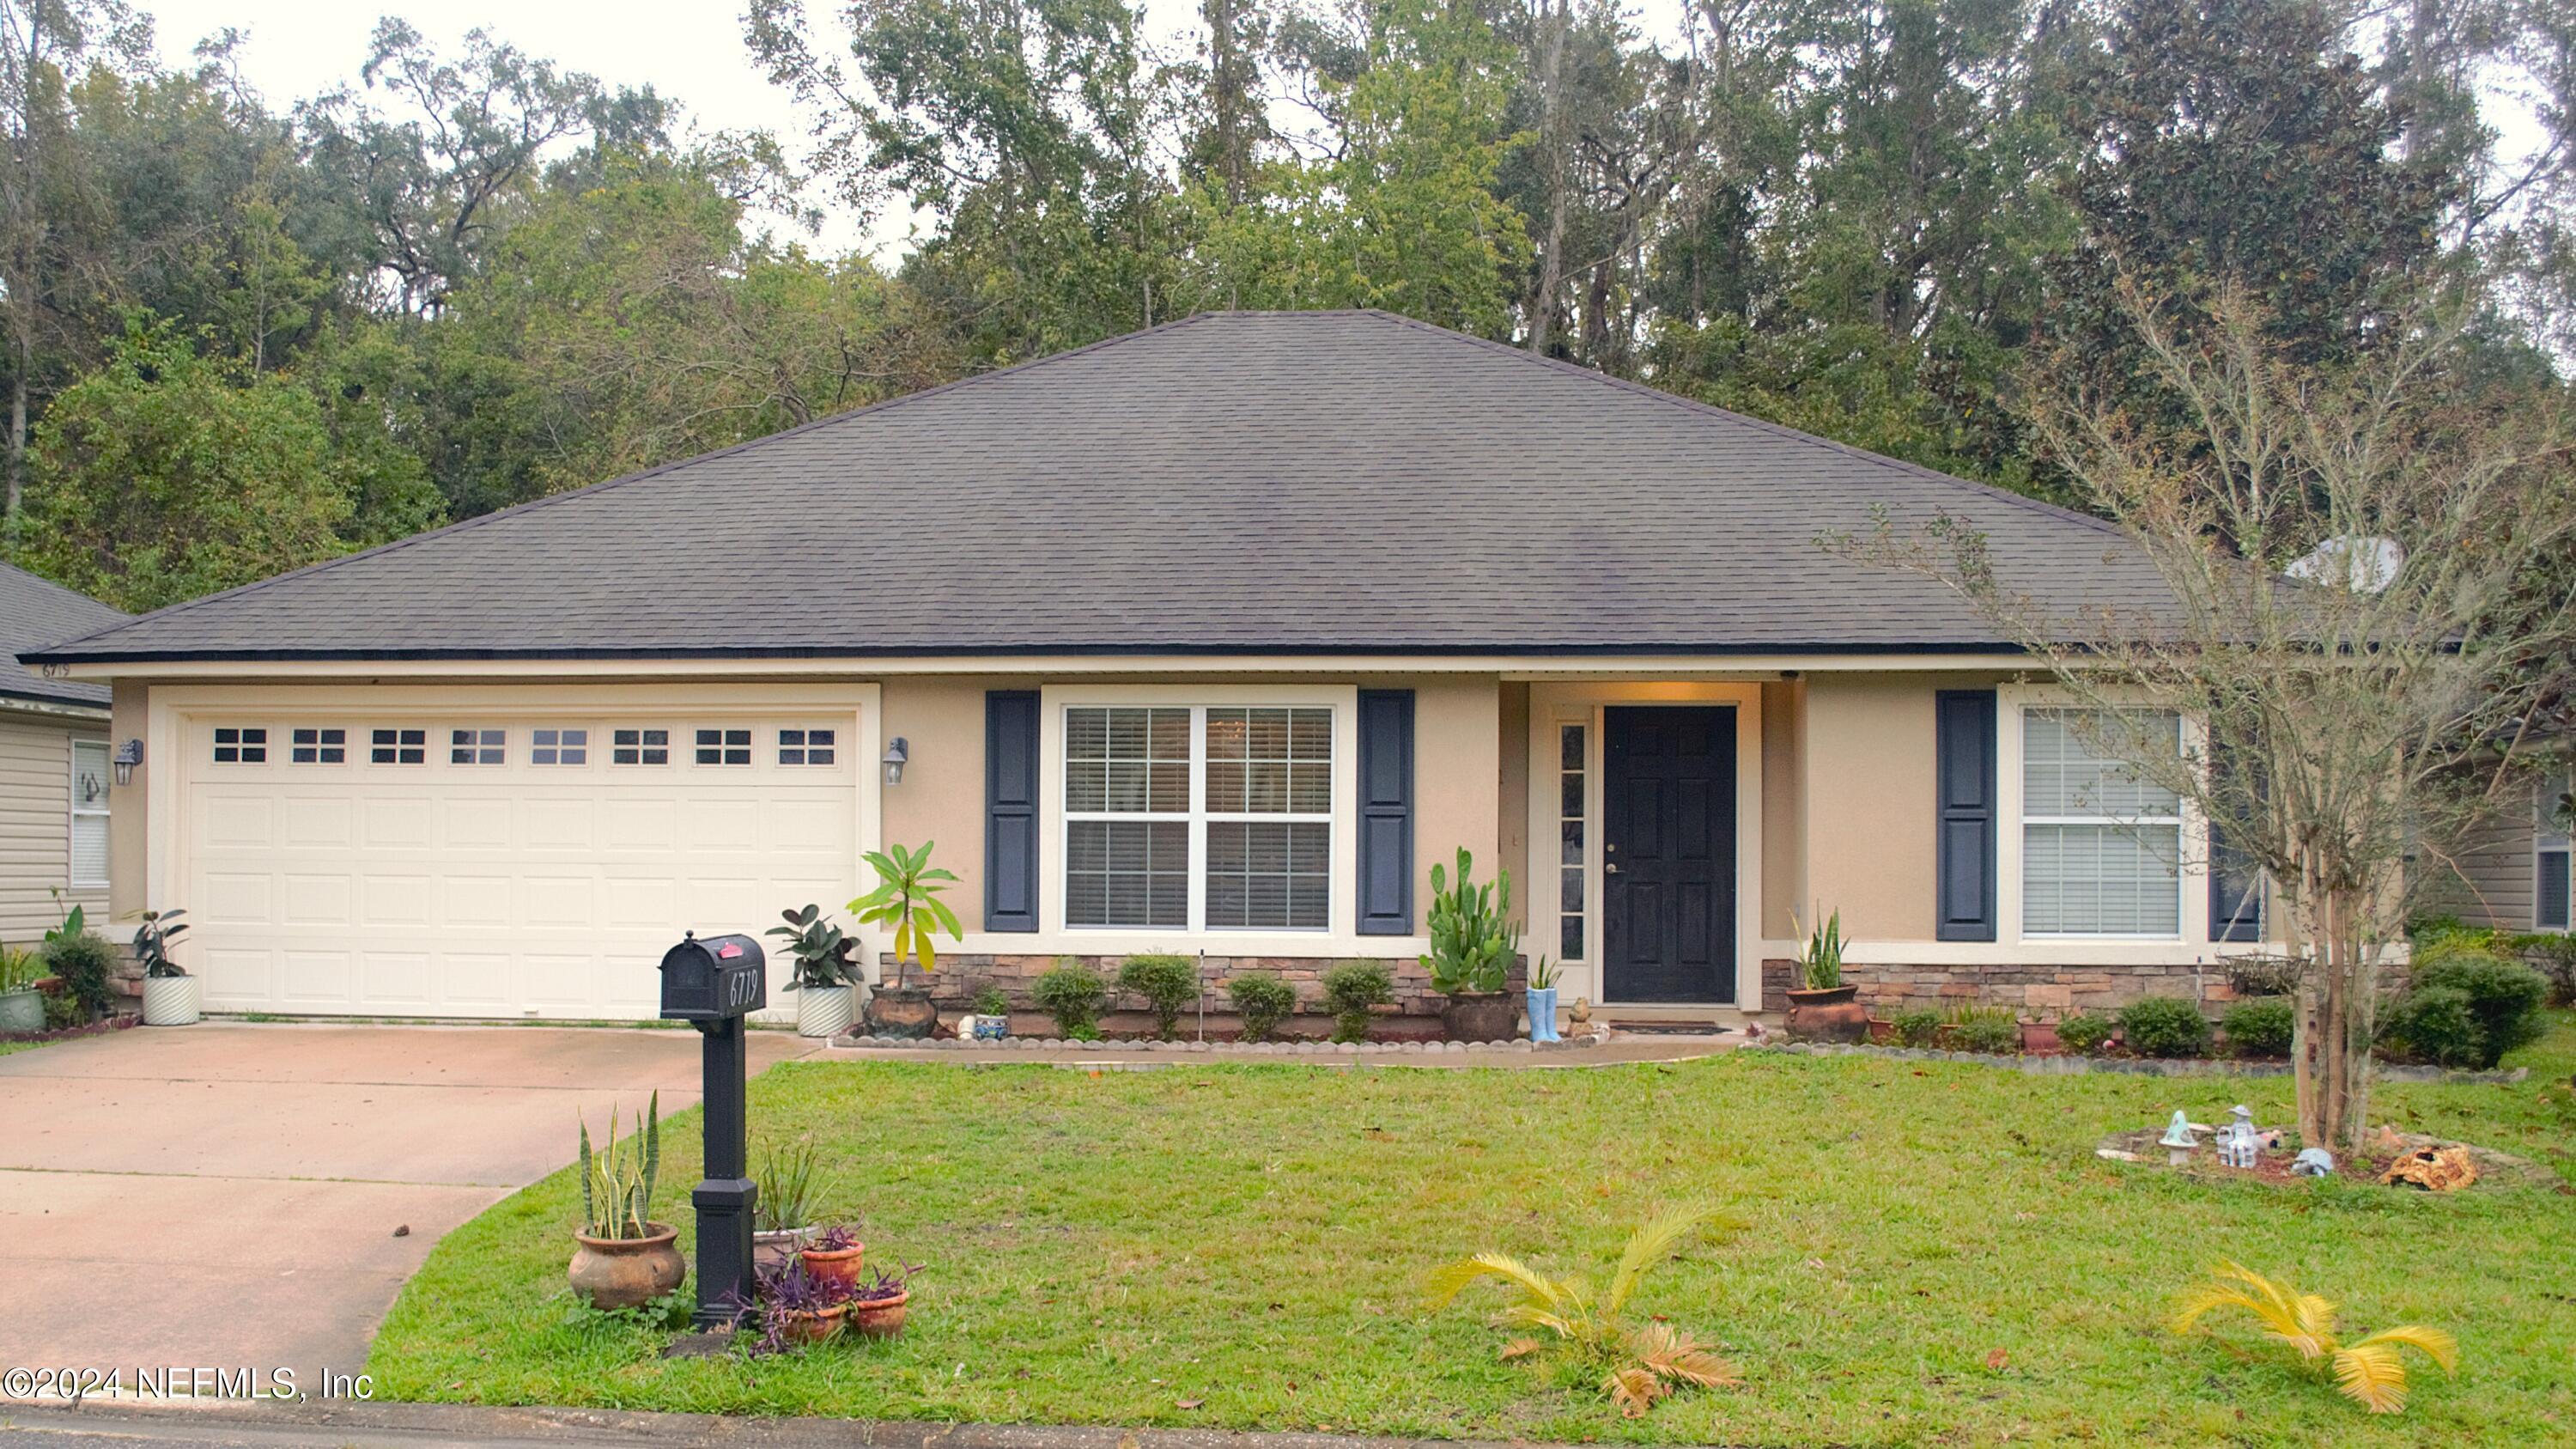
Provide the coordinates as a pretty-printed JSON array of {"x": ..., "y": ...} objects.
[{"x": 713, "y": 984}]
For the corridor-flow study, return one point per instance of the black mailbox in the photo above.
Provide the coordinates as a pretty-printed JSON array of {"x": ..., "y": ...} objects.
[{"x": 717, "y": 979}]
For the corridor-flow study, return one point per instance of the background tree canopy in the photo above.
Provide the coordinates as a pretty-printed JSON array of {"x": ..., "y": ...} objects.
[{"x": 238, "y": 339}]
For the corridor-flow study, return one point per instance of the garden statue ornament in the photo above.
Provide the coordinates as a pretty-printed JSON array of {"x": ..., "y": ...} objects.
[
  {"x": 2313, "y": 1162},
  {"x": 2178, "y": 1141},
  {"x": 2237, "y": 1144}
]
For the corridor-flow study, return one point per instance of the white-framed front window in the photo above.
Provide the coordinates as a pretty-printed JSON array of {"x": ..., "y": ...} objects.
[
  {"x": 89, "y": 813},
  {"x": 1200, "y": 817},
  {"x": 2101, "y": 848},
  {"x": 2550, "y": 855}
]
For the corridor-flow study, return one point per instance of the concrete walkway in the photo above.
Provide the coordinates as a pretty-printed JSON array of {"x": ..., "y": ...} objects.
[
  {"x": 99, "y": 1425},
  {"x": 228, "y": 1195}
]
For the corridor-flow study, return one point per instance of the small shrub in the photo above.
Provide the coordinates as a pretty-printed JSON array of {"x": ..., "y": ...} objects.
[
  {"x": 1071, "y": 993},
  {"x": 2083, "y": 1033},
  {"x": 2164, "y": 1026},
  {"x": 1350, "y": 989},
  {"x": 1263, "y": 1001},
  {"x": 1169, "y": 984},
  {"x": 2553, "y": 955},
  {"x": 1995, "y": 1032},
  {"x": 2433, "y": 1024},
  {"x": 63, "y": 1012},
  {"x": 2468, "y": 1006},
  {"x": 84, "y": 962},
  {"x": 1920, "y": 1026},
  {"x": 991, "y": 1002},
  {"x": 2261, "y": 1028}
]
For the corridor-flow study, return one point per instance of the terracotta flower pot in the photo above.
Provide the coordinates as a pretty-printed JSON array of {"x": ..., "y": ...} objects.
[
  {"x": 815, "y": 1327},
  {"x": 1827, "y": 1013},
  {"x": 901, "y": 1011},
  {"x": 880, "y": 1317},
  {"x": 1481, "y": 1016},
  {"x": 614, "y": 1273},
  {"x": 833, "y": 1265}
]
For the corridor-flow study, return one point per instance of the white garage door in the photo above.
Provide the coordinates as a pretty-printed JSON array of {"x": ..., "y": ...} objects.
[{"x": 500, "y": 865}]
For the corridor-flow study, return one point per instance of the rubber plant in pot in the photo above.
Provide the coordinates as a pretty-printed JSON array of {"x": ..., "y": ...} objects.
[
  {"x": 827, "y": 972},
  {"x": 22, "y": 1006},
  {"x": 907, "y": 902},
  {"x": 170, "y": 994},
  {"x": 626, "y": 1259},
  {"x": 1473, "y": 944},
  {"x": 1824, "y": 1009}
]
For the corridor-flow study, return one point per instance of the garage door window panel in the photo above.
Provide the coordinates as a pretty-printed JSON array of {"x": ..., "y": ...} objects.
[
  {"x": 318, "y": 745},
  {"x": 559, "y": 747},
  {"x": 241, "y": 745},
  {"x": 724, "y": 747},
  {"x": 478, "y": 747},
  {"x": 398, "y": 747},
  {"x": 640, "y": 747},
  {"x": 807, "y": 747}
]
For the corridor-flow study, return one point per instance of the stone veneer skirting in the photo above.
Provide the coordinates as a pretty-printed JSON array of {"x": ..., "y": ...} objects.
[
  {"x": 962, "y": 976},
  {"x": 2042, "y": 993}
]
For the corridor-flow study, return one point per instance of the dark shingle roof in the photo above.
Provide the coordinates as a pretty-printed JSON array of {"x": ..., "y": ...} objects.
[
  {"x": 35, "y": 612},
  {"x": 1237, "y": 482}
]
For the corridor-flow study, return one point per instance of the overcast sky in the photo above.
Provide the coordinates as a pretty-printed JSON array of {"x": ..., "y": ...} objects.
[{"x": 690, "y": 52}]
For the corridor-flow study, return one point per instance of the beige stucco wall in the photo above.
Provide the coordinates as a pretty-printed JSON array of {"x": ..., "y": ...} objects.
[
  {"x": 941, "y": 797},
  {"x": 1457, "y": 776},
  {"x": 1784, "y": 783},
  {"x": 35, "y": 823},
  {"x": 1871, "y": 812},
  {"x": 129, "y": 821}
]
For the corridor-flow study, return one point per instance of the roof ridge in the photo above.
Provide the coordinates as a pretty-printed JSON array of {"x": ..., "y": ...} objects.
[
  {"x": 1692, "y": 404},
  {"x": 640, "y": 475}
]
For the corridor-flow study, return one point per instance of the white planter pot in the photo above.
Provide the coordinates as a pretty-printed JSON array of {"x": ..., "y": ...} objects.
[
  {"x": 170, "y": 1000},
  {"x": 825, "y": 1010}
]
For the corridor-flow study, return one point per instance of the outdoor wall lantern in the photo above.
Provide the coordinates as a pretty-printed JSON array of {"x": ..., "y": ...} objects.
[
  {"x": 128, "y": 755},
  {"x": 895, "y": 756}
]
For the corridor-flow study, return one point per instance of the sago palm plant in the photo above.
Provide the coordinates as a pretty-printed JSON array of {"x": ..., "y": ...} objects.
[
  {"x": 1639, "y": 1363},
  {"x": 2371, "y": 1370}
]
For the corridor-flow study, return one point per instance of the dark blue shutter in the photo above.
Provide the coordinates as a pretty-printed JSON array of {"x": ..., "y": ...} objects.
[
  {"x": 2235, "y": 884},
  {"x": 1010, "y": 810},
  {"x": 1386, "y": 812},
  {"x": 1964, "y": 722}
]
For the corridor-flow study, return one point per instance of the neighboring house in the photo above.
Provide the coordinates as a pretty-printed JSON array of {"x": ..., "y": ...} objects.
[
  {"x": 2515, "y": 873},
  {"x": 54, "y": 765},
  {"x": 1214, "y": 638}
]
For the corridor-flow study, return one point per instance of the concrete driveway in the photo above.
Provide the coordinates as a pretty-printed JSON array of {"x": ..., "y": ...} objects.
[{"x": 228, "y": 1195}]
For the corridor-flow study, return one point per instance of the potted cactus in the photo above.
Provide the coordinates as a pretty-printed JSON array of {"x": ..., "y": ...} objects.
[
  {"x": 1473, "y": 945},
  {"x": 626, "y": 1259},
  {"x": 170, "y": 995},
  {"x": 907, "y": 901},
  {"x": 826, "y": 975}
]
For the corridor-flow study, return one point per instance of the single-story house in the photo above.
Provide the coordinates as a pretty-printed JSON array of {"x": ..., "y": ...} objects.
[
  {"x": 1212, "y": 639},
  {"x": 55, "y": 797}
]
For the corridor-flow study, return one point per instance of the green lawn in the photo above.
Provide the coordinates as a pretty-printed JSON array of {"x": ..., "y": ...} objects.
[{"x": 1103, "y": 1249}]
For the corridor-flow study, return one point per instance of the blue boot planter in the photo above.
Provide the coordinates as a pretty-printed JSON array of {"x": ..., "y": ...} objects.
[{"x": 1542, "y": 1013}]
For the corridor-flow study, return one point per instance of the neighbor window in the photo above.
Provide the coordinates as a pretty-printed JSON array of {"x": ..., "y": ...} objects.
[
  {"x": 477, "y": 747},
  {"x": 805, "y": 747},
  {"x": 2100, "y": 846},
  {"x": 398, "y": 747},
  {"x": 724, "y": 747},
  {"x": 640, "y": 747},
  {"x": 2549, "y": 851},
  {"x": 89, "y": 813},
  {"x": 245, "y": 745},
  {"x": 1569, "y": 828},
  {"x": 319, "y": 746},
  {"x": 1254, "y": 835},
  {"x": 559, "y": 747}
]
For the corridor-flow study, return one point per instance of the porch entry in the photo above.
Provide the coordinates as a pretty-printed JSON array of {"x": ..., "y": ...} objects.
[{"x": 1668, "y": 854}]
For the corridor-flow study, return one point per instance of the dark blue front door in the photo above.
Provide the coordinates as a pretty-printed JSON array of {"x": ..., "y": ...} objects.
[{"x": 1668, "y": 854}]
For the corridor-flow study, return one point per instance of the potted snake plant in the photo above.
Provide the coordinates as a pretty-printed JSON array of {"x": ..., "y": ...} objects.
[
  {"x": 826, "y": 973},
  {"x": 906, "y": 902},
  {"x": 1542, "y": 1001},
  {"x": 1823, "y": 1009},
  {"x": 1473, "y": 945},
  {"x": 171, "y": 997},
  {"x": 626, "y": 1259}
]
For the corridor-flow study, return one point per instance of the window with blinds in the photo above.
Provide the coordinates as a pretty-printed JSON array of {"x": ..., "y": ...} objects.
[{"x": 2101, "y": 847}]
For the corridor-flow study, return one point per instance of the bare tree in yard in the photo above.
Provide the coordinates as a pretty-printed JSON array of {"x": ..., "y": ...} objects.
[{"x": 2372, "y": 623}]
